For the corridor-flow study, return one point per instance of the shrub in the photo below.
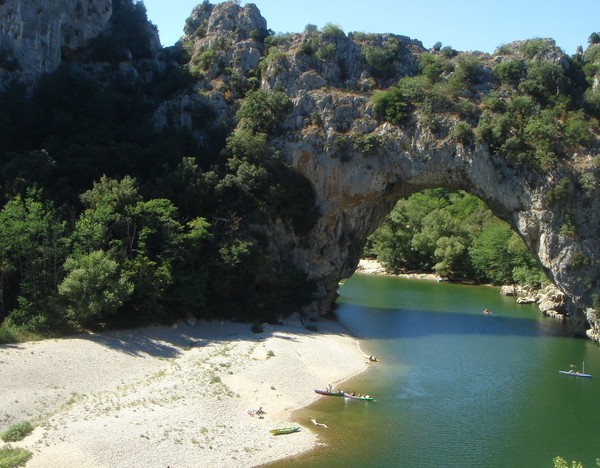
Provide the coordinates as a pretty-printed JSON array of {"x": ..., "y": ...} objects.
[
  {"x": 326, "y": 51},
  {"x": 587, "y": 181},
  {"x": 533, "y": 47},
  {"x": 396, "y": 104},
  {"x": 448, "y": 52},
  {"x": 592, "y": 101},
  {"x": 205, "y": 59},
  {"x": 333, "y": 31},
  {"x": 263, "y": 111},
  {"x": 469, "y": 70},
  {"x": 275, "y": 60},
  {"x": 312, "y": 328},
  {"x": 12, "y": 457},
  {"x": 560, "y": 191},
  {"x": 380, "y": 60},
  {"x": 434, "y": 66},
  {"x": 544, "y": 81},
  {"x": 578, "y": 129},
  {"x": 568, "y": 230},
  {"x": 596, "y": 304},
  {"x": 440, "y": 98},
  {"x": 508, "y": 73},
  {"x": 257, "y": 328},
  {"x": 367, "y": 144},
  {"x": 462, "y": 133},
  {"x": 16, "y": 432}
]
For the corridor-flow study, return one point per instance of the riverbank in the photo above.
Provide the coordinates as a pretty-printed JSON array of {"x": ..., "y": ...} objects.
[
  {"x": 373, "y": 267},
  {"x": 550, "y": 300},
  {"x": 177, "y": 397}
]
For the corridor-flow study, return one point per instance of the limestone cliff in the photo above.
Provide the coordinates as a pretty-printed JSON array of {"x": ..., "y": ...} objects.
[
  {"x": 359, "y": 165},
  {"x": 34, "y": 34}
]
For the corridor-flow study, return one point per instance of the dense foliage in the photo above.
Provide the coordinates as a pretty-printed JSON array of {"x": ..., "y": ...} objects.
[
  {"x": 535, "y": 114},
  {"x": 105, "y": 221},
  {"x": 454, "y": 235}
]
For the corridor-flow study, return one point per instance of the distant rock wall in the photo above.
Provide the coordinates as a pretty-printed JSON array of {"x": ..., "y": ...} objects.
[{"x": 34, "y": 34}]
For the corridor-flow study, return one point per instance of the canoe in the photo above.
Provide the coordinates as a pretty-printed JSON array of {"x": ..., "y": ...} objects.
[
  {"x": 356, "y": 397},
  {"x": 328, "y": 393},
  {"x": 284, "y": 430},
  {"x": 575, "y": 374}
]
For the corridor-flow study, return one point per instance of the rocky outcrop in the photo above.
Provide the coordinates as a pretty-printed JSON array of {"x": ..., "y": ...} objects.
[
  {"x": 34, "y": 34},
  {"x": 225, "y": 35},
  {"x": 552, "y": 302}
]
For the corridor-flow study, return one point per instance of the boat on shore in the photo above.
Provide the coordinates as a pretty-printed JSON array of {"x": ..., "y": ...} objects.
[
  {"x": 329, "y": 393},
  {"x": 284, "y": 430}
]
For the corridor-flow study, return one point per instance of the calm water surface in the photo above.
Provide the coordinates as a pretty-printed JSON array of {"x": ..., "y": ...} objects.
[{"x": 455, "y": 388}]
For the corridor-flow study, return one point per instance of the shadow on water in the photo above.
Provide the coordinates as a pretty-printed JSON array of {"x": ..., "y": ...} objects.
[
  {"x": 381, "y": 323},
  {"x": 390, "y": 307}
]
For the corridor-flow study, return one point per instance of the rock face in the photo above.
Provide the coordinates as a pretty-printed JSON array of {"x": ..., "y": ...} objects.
[
  {"x": 34, "y": 34},
  {"x": 330, "y": 78}
]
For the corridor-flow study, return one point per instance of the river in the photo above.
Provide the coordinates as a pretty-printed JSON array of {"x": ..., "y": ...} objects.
[{"x": 455, "y": 387}]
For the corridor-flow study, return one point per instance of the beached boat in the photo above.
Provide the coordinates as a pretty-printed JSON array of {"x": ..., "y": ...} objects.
[
  {"x": 575, "y": 373},
  {"x": 328, "y": 393},
  {"x": 358, "y": 397},
  {"x": 284, "y": 430}
]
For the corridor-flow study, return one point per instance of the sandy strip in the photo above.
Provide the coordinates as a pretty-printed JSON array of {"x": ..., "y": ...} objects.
[
  {"x": 370, "y": 266},
  {"x": 175, "y": 397}
]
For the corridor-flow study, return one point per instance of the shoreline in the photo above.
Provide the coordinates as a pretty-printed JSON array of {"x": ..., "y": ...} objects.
[
  {"x": 370, "y": 266},
  {"x": 172, "y": 396}
]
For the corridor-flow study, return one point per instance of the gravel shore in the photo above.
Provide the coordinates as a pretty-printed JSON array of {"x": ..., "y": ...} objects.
[{"x": 172, "y": 396}]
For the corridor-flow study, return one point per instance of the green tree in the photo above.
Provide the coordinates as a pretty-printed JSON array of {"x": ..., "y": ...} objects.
[
  {"x": 508, "y": 73},
  {"x": 32, "y": 251},
  {"x": 489, "y": 253},
  {"x": 144, "y": 238},
  {"x": 396, "y": 104},
  {"x": 94, "y": 288},
  {"x": 191, "y": 268},
  {"x": 263, "y": 111}
]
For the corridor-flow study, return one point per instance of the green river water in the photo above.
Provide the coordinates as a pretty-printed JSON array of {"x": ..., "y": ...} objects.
[{"x": 456, "y": 388}]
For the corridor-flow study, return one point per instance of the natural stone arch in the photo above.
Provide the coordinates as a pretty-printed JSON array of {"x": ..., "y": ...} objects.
[
  {"x": 328, "y": 76},
  {"x": 355, "y": 192}
]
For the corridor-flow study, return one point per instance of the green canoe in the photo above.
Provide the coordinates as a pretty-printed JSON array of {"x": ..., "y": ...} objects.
[{"x": 284, "y": 430}]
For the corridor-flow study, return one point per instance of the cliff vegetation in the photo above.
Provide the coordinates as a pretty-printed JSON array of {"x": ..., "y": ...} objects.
[{"x": 238, "y": 173}]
